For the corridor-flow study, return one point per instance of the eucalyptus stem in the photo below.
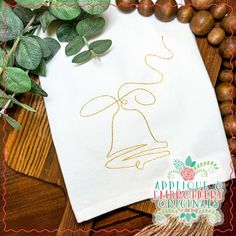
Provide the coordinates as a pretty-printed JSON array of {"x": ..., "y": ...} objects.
[
  {"x": 87, "y": 44},
  {"x": 2, "y": 112},
  {"x": 13, "y": 47},
  {"x": 12, "y": 50},
  {"x": 25, "y": 30}
]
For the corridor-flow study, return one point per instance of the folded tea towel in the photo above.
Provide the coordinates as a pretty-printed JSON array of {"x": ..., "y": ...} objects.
[{"x": 118, "y": 122}]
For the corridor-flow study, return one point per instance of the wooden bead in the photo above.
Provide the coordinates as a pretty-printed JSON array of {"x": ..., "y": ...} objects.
[
  {"x": 216, "y": 36},
  {"x": 202, "y": 4},
  {"x": 228, "y": 65},
  {"x": 226, "y": 108},
  {"x": 227, "y": 48},
  {"x": 201, "y": 23},
  {"x": 235, "y": 79},
  {"x": 185, "y": 14},
  {"x": 226, "y": 75},
  {"x": 166, "y": 10},
  {"x": 146, "y": 7},
  {"x": 225, "y": 92},
  {"x": 229, "y": 22},
  {"x": 219, "y": 11},
  {"x": 230, "y": 125},
  {"x": 126, "y": 6}
]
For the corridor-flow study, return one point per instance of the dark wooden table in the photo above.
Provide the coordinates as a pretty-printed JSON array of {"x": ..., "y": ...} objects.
[{"x": 36, "y": 195}]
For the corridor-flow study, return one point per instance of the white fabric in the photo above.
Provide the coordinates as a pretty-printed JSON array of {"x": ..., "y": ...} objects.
[{"x": 185, "y": 113}]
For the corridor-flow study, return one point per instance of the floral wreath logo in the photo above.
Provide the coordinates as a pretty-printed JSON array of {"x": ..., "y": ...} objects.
[{"x": 190, "y": 169}]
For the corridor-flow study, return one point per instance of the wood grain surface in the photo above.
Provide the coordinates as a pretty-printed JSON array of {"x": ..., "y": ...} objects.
[{"x": 36, "y": 193}]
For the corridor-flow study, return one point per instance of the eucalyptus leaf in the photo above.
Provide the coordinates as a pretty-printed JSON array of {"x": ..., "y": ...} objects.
[
  {"x": 65, "y": 9},
  {"x": 28, "y": 53},
  {"x": 82, "y": 57},
  {"x": 12, "y": 122},
  {"x": 4, "y": 98},
  {"x": 22, "y": 104},
  {"x": 100, "y": 46},
  {"x": 90, "y": 26},
  {"x": 66, "y": 33},
  {"x": 46, "y": 18},
  {"x": 44, "y": 47},
  {"x": 94, "y": 7},
  {"x": 16, "y": 80},
  {"x": 41, "y": 70},
  {"x": 23, "y": 13},
  {"x": 74, "y": 46},
  {"x": 37, "y": 90},
  {"x": 32, "y": 4},
  {"x": 54, "y": 47},
  {"x": 10, "y": 25}
]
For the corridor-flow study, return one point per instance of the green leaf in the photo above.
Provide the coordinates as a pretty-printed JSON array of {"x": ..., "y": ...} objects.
[
  {"x": 94, "y": 7},
  {"x": 66, "y": 33},
  {"x": 41, "y": 69},
  {"x": 188, "y": 217},
  {"x": 28, "y": 53},
  {"x": 82, "y": 57},
  {"x": 193, "y": 215},
  {"x": 100, "y": 46},
  {"x": 10, "y": 25},
  {"x": 182, "y": 215},
  {"x": 74, "y": 46},
  {"x": 32, "y": 4},
  {"x": 188, "y": 161},
  {"x": 22, "y": 104},
  {"x": 65, "y": 9},
  {"x": 46, "y": 18},
  {"x": 90, "y": 26},
  {"x": 16, "y": 80},
  {"x": 23, "y": 13},
  {"x": 53, "y": 46},
  {"x": 4, "y": 98},
  {"x": 193, "y": 163},
  {"x": 12, "y": 122},
  {"x": 44, "y": 47},
  {"x": 37, "y": 90}
]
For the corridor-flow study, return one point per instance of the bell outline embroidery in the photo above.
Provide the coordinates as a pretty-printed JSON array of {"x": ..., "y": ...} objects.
[{"x": 136, "y": 155}]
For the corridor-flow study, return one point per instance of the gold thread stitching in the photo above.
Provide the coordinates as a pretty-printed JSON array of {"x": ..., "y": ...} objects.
[{"x": 121, "y": 102}]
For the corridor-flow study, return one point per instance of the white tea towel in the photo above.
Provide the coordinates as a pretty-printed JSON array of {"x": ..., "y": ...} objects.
[{"x": 119, "y": 122}]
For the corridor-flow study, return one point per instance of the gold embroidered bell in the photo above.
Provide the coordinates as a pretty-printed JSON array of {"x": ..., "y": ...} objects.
[{"x": 131, "y": 146}]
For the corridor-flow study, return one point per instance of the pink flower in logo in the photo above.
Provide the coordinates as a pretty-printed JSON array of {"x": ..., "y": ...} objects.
[{"x": 188, "y": 173}]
